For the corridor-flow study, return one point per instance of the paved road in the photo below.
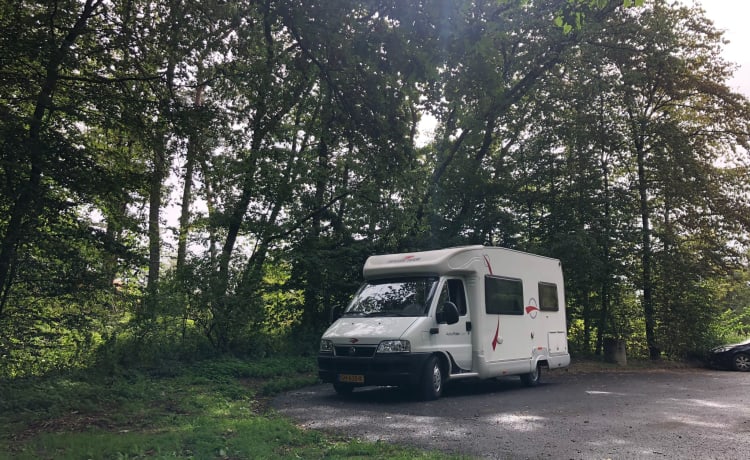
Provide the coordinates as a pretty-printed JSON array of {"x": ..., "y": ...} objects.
[{"x": 670, "y": 414}]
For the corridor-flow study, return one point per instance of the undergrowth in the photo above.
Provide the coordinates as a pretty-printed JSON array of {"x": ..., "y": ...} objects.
[{"x": 214, "y": 409}]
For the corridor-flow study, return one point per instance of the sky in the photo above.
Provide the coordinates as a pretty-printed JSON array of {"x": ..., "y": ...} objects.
[{"x": 731, "y": 16}]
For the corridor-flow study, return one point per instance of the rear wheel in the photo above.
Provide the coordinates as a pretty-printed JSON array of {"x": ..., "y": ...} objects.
[
  {"x": 431, "y": 385},
  {"x": 741, "y": 362},
  {"x": 532, "y": 378}
]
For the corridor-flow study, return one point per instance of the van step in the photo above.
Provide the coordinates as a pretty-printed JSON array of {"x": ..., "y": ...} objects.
[{"x": 464, "y": 375}]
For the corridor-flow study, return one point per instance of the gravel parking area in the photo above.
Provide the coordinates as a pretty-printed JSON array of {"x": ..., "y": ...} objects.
[{"x": 617, "y": 414}]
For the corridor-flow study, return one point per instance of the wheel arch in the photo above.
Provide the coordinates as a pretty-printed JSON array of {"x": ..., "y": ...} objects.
[
  {"x": 446, "y": 363},
  {"x": 541, "y": 361}
]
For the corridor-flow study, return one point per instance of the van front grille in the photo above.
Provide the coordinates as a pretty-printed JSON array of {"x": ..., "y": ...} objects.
[{"x": 355, "y": 352}]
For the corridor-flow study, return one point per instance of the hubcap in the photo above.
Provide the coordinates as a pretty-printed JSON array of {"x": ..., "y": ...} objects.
[
  {"x": 437, "y": 378},
  {"x": 742, "y": 362}
]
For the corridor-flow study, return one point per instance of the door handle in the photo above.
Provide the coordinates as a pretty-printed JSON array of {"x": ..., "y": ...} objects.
[{"x": 468, "y": 326}]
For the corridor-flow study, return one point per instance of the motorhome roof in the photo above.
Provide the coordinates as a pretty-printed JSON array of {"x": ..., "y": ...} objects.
[
  {"x": 436, "y": 262},
  {"x": 453, "y": 260}
]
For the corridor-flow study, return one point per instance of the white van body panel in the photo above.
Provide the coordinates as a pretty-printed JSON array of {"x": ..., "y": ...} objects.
[
  {"x": 483, "y": 343},
  {"x": 369, "y": 330}
]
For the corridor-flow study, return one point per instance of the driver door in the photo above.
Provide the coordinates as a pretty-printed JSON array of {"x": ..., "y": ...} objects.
[{"x": 455, "y": 338}]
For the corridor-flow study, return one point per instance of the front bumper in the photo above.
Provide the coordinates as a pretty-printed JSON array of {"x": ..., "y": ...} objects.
[{"x": 398, "y": 369}]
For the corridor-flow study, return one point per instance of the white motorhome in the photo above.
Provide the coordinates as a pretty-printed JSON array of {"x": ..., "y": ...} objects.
[{"x": 424, "y": 318}]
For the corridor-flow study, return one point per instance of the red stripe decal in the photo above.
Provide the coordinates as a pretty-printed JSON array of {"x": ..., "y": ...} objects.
[
  {"x": 487, "y": 261},
  {"x": 497, "y": 334}
]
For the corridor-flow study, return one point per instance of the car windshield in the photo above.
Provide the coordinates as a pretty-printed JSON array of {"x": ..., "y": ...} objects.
[{"x": 393, "y": 297}]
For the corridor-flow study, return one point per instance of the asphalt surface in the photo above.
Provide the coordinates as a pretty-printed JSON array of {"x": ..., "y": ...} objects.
[{"x": 654, "y": 414}]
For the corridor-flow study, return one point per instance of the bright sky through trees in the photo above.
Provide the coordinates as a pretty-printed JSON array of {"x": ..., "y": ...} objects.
[{"x": 731, "y": 16}]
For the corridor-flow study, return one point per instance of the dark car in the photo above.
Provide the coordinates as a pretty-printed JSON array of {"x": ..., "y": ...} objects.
[{"x": 735, "y": 356}]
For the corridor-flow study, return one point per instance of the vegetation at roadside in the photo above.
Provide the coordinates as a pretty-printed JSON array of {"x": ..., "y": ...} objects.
[
  {"x": 208, "y": 409},
  {"x": 185, "y": 180},
  {"x": 282, "y": 139}
]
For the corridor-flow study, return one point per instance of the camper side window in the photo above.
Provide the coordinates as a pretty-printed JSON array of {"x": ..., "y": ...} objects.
[
  {"x": 548, "y": 297},
  {"x": 453, "y": 291},
  {"x": 503, "y": 296}
]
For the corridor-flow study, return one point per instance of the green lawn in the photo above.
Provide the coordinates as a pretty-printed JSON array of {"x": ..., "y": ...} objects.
[{"x": 208, "y": 410}]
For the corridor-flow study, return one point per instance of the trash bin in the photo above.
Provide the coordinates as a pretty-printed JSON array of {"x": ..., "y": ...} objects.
[{"x": 614, "y": 351}]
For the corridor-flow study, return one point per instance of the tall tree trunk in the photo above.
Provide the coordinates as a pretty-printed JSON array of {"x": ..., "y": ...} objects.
[
  {"x": 219, "y": 331},
  {"x": 312, "y": 272},
  {"x": 208, "y": 192},
  {"x": 154, "y": 230},
  {"x": 646, "y": 253},
  {"x": 193, "y": 149},
  {"x": 161, "y": 161},
  {"x": 587, "y": 320},
  {"x": 235, "y": 222},
  {"x": 260, "y": 127},
  {"x": 24, "y": 209},
  {"x": 114, "y": 232},
  {"x": 606, "y": 280}
]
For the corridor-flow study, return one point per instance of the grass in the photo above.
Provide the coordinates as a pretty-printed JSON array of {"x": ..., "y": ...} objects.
[{"x": 208, "y": 410}]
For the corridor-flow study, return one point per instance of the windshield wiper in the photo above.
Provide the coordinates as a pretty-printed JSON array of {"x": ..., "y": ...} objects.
[
  {"x": 378, "y": 313},
  {"x": 350, "y": 314}
]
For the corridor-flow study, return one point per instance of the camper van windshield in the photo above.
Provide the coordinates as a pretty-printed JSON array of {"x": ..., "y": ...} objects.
[{"x": 393, "y": 297}]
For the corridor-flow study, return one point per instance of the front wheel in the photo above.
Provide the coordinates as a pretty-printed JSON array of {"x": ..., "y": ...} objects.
[
  {"x": 431, "y": 384},
  {"x": 532, "y": 378},
  {"x": 741, "y": 362}
]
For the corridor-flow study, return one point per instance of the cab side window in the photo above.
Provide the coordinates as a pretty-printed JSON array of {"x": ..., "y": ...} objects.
[{"x": 453, "y": 291}]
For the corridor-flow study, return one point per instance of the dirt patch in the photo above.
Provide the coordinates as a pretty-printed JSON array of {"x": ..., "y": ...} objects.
[
  {"x": 72, "y": 422},
  {"x": 260, "y": 403}
]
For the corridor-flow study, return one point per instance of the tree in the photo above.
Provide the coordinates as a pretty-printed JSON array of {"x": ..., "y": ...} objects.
[
  {"x": 597, "y": 134},
  {"x": 24, "y": 172},
  {"x": 56, "y": 261},
  {"x": 678, "y": 117},
  {"x": 659, "y": 123},
  {"x": 498, "y": 55}
]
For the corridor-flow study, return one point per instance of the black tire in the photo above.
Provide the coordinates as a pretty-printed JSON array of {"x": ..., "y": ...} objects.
[
  {"x": 431, "y": 385},
  {"x": 343, "y": 388},
  {"x": 741, "y": 362},
  {"x": 533, "y": 378}
]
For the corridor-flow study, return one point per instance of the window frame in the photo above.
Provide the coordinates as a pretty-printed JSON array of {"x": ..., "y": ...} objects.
[
  {"x": 461, "y": 304},
  {"x": 542, "y": 305},
  {"x": 519, "y": 296}
]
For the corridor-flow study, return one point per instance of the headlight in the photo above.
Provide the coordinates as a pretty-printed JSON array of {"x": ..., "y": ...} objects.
[
  {"x": 326, "y": 346},
  {"x": 394, "y": 346}
]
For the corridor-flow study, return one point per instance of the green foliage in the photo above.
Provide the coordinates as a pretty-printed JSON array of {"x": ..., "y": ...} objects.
[
  {"x": 730, "y": 327},
  {"x": 282, "y": 305},
  {"x": 266, "y": 368},
  {"x": 63, "y": 332},
  {"x": 732, "y": 300},
  {"x": 203, "y": 410},
  {"x": 599, "y": 132}
]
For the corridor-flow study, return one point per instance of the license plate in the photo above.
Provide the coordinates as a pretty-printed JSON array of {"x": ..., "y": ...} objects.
[{"x": 350, "y": 378}]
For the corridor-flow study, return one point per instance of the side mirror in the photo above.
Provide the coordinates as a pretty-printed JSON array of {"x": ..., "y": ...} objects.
[{"x": 447, "y": 314}]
